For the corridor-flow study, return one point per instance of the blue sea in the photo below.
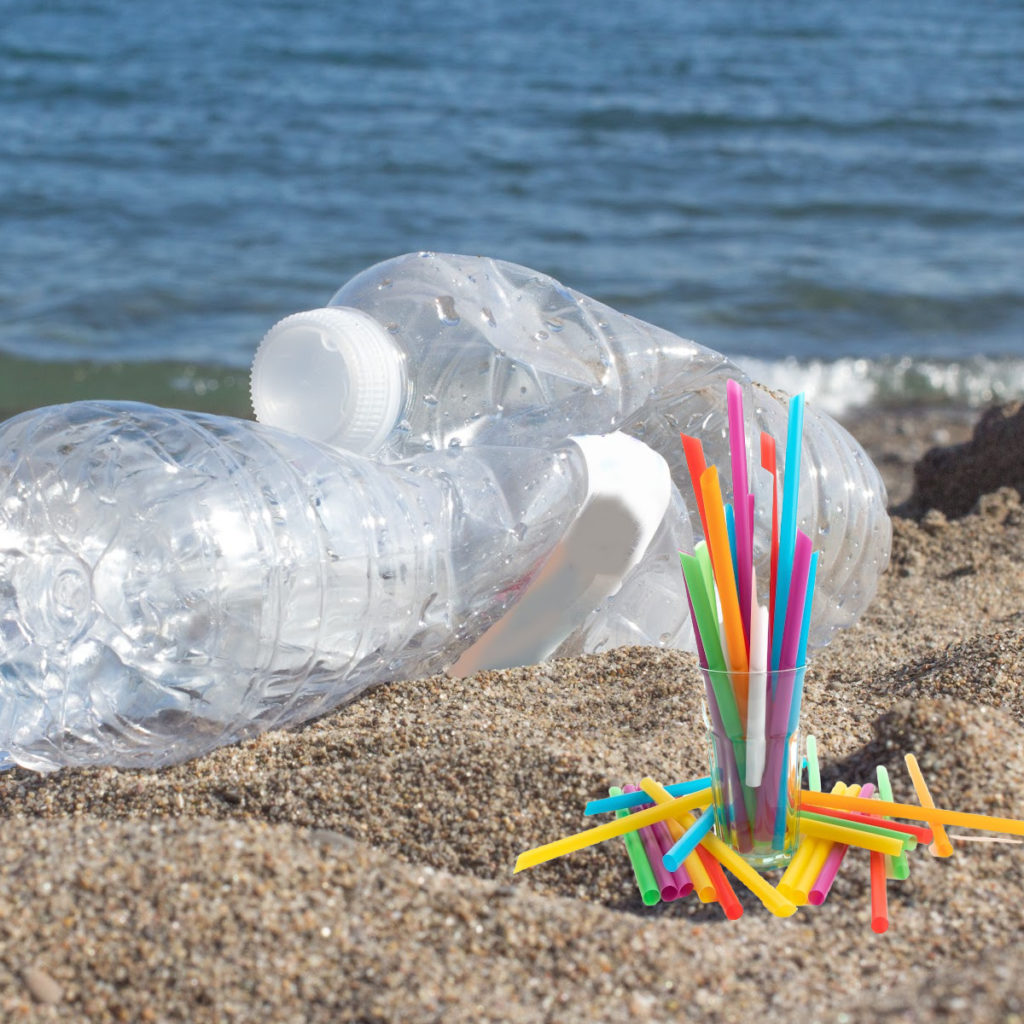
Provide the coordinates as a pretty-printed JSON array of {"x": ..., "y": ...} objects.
[{"x": 832, "y": 193}]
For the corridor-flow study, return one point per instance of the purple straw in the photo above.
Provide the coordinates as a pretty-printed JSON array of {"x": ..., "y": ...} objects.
[
  {"x": 740, "y": 504},
  {"x": 666, "y": 883},
  {"x": 830, "y": 868},
  {"x": 681, "y": 875}
]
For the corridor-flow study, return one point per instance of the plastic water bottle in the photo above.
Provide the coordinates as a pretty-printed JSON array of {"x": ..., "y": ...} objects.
[
  {"x": 428, "y": 350},
  {"x": 170, "y": 582}
]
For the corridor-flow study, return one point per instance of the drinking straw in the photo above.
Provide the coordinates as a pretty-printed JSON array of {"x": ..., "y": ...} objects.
[
  {"x": 801, "y": 654},
  {"x": 879, "y": 897},
  {"x": 813, "y": 768},
  {"x": 683, "y": 881},
  {"x": 757, "y": 884},
  {"x": 721, "y": 563},
  {"x": 744, "y": 557},
  {"x": 848, "y": 835},
  {"x": 731, "y": 906},
  {"x": 687, "y": 843},
  {"x": 643, "y": 870},
  {"x": 905, "y": 839},
  {"x": 940, "y": 846},
  {"x": 783, "y": 689},
  {"x": 819, "y": 891},
  {"x": 696, "y": 866},
  {"x": 915, "y": 812},
  {"x": 665, "y": 883},
  {"x": 895, "y": 867},
  {"x": 696, "y": 465},
  {"x": 611, "y": 829},
  {"x": 787, "y": 529},
  {"x": 757, "y": 692},
  {"x": 730, "y": 526},
  {"x": 816, "y": 861},
  {"x": 638, "y": 797},
  {"x": 703, "y": 556},
  {"x": 795, "y": 869},
  {"x": 919, "y": 833},
  {"x": 768, "y": 461}
]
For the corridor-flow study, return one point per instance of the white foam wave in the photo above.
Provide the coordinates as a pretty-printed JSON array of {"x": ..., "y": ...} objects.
[{"x": 844, "y": 385}]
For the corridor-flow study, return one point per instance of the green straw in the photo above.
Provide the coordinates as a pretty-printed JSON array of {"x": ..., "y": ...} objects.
[
  {"x": 909, "y": 842},
  {"x": 895, "y": 867},
  {"x": 645, "y": 880},
  {"x": 813, "y": 769}
]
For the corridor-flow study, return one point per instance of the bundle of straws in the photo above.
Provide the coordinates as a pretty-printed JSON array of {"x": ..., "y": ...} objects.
[{"x": 751, "y": 654}]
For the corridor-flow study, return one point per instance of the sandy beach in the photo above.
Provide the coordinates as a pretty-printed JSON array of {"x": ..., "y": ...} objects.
[{"x": 360, "y": 869}]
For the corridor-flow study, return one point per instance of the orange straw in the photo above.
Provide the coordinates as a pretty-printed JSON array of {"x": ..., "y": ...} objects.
[
  {"x": 696, "y": 465},
  {"x": 941, "y": 846},
  {"x": 879, "y": 896},
  {"x": 721, "y": 562}
]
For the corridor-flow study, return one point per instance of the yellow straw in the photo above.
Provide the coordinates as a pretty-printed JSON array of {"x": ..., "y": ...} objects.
[
  {"x": 611, "y": 829},
  {"x": 940, "y": 845},
  {"x": 789, "y": 884},
  {"x": 930, "y": 815},
  {"x": 734, "y": 863},
  {"x": 823, "y": 846},
  {"x": 702, "y": 884},
  {"x": 850, "y": 837}
]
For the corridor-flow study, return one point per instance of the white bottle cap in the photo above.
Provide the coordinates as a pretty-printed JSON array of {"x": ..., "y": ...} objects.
[
  {"x": 629, "y": 488},
  {"x": 333, "y": 375}
]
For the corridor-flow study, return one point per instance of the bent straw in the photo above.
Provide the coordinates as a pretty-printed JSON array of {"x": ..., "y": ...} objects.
[
  {"x": 635, "y": 799},
  {"x": 666, "y": 884},
  {"x": 643, "y": 871},
  {"x": 610, "y": 829},
  {"x": 721, "y": 563},
  {"x": 915, "y": 812},
  {"x": 744, "y": 557},
  {"x": 941, "y": 846},
  {"x": 818, "y": 892},
  {"x": 696, "y": 867},
  {"x": 787, "y": 529},
  {"x": 895, "y": 867},
  {"x": 879, "y": 896},
  {"x": 768, "y": 461},
  {"x": 683, "y": 881},
  {"x": 696, "y": 465}
]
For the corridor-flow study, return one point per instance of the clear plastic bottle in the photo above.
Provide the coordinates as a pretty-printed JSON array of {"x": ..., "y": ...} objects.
[
  {"x": 428, "y": 350},
  {"x": 170, "y": 582}
]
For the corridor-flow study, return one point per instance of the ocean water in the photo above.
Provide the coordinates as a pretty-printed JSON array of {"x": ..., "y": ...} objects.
[{"x": 832, "y": 193}]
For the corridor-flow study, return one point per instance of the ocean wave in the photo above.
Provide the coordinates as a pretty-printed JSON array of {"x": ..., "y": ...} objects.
[{"x": 843, "y": 386}]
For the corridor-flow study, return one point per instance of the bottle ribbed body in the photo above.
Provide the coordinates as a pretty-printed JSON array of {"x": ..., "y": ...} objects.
[
  {"x": 170, "y": 582},
  {"x": 496, "y": 352}
]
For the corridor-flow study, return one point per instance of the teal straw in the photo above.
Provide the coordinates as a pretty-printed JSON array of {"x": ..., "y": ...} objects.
[
  {"x": 687, "y": 842},
  {"x": 787, "y": 529},
  {"x": 627, "y": 800},
  {"x": 642, "y": 870}
]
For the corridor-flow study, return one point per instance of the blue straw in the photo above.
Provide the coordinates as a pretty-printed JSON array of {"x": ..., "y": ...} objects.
[
  {"x": 730, "y": 525},
  {"x": 626, "y": 800},
  {"x": 787, "y": 529},
  {"x": 687, "y": 842}
]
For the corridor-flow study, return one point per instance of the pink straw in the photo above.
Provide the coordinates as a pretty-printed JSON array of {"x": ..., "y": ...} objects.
[
  {"x": 830, "y": 868},
  {"x": 740, "y": 504}
]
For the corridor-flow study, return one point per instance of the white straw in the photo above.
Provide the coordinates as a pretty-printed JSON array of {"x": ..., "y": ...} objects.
[{"x": 756, "y": 692}]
